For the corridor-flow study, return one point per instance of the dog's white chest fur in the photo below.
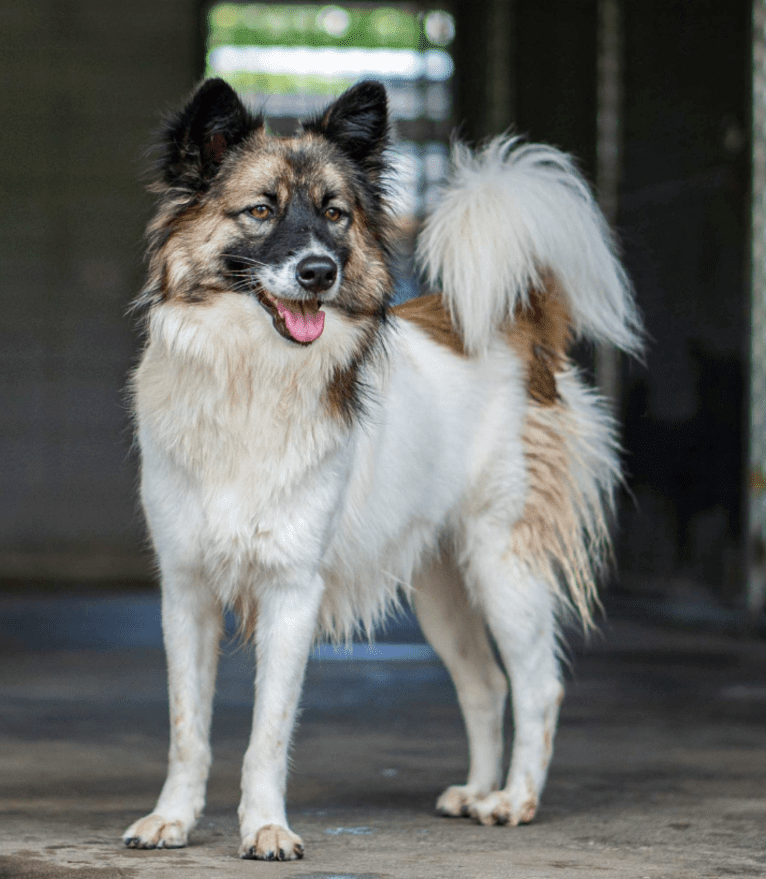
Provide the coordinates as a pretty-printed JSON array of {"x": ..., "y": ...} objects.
[{"x": 232, "y": 480}]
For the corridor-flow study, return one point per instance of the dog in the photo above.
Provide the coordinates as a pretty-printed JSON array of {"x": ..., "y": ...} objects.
[{"x": 309, "y": 452}]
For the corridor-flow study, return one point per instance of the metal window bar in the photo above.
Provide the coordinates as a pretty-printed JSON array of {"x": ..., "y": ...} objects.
[
  {"x": 608, "y": 158},
  {"x": 756, "y": 581}
]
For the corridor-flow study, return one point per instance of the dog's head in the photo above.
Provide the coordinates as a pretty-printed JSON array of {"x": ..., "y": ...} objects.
[{"x": 299, "y": 223}]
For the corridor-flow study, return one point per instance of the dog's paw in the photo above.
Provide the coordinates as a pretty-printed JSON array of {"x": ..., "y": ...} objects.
[
  {"x": 154, "y": 831},
  {"x": 499, "y": 808},
  {"x": 272, "y": 843},
  {"x": 457, "y": 800}
]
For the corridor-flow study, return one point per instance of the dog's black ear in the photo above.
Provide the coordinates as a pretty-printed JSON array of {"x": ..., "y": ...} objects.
[
  {"x": 197, "y": 139},
  {"x": 357, "y": 123}
]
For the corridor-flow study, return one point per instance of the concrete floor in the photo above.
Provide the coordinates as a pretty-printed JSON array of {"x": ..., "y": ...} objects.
[{"x": 659, "y": 768}]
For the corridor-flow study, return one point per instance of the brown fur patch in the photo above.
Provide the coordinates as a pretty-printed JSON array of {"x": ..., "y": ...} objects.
[
  {"x": 540, "y": 334},
  {"x": 345, "y": 392},
  {"x": 340, "y": 391},
  {"x": 367, "y": 279},
  {"x": 562, "y": 533},
  {"x": 431, "y": 315},
  {"x": 263, "y": 168}
]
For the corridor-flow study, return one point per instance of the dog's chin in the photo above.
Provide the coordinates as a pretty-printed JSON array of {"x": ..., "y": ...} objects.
[{"x": 299, "y": 321}]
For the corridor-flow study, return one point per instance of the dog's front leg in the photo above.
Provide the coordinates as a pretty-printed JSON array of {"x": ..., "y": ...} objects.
[
  {"x": 191, "y": 626},
  {"x": 287, "y": 614}
]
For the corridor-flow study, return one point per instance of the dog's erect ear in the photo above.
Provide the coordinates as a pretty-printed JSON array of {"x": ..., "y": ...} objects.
[
  {"x": 198, "y": 138},
  {"x": 357, "y": 123}
]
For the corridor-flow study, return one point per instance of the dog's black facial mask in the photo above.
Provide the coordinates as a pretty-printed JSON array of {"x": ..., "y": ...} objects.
[{"x": 292, "y": 258}]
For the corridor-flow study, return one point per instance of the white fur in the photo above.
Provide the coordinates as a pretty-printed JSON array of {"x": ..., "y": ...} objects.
[
  {"x": 510, "y": 213},
  {"x": 256, "y": 494}
]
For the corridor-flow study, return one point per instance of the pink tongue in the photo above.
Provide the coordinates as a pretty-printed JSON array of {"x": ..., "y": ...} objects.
[{"x": 302, "y": 328}]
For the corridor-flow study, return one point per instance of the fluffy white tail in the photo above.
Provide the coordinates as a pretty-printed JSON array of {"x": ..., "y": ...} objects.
[{"x": 511, "y": 213}]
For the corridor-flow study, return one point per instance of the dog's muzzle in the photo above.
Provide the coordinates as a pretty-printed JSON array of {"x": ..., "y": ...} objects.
[{"x": 301, "y": 320}]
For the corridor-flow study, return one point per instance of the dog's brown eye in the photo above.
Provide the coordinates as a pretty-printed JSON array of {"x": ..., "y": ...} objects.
[
  {"x": 333, "y": 214},
  {"x": 261, "y": 211}
]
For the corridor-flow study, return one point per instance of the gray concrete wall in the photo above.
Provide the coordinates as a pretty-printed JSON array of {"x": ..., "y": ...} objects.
[{"x": 84, "y": 84}]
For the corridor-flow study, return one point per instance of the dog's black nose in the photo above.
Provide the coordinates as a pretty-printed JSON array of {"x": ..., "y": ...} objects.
[{"x": 316, "y": 273}]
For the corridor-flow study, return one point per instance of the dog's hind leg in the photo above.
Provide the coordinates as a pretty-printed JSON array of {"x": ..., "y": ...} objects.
[
  {"x": 191, "y": 625},
  {"x": 458, "y": 634},
  {"x": 287, "y": 615},
  {"x": 520, "y": 612}
]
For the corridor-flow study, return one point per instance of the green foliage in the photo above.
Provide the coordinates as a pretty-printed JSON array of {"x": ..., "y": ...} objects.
[
  {"x": 246, "y": 82},
  {"x": 262, "y": 24}
]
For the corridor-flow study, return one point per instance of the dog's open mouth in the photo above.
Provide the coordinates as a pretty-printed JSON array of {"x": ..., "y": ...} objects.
[{"x": 299, "y": 321}]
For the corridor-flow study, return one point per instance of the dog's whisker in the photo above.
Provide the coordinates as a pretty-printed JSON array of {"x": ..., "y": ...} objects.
[{"x": 244, "y": 258}]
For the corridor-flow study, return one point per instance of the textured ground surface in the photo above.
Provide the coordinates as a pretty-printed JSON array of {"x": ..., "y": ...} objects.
[{"x": 659, "y": 770}]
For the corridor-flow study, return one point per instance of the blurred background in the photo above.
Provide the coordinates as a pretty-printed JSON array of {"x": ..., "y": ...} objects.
[{"x": 662, "y": 101}]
